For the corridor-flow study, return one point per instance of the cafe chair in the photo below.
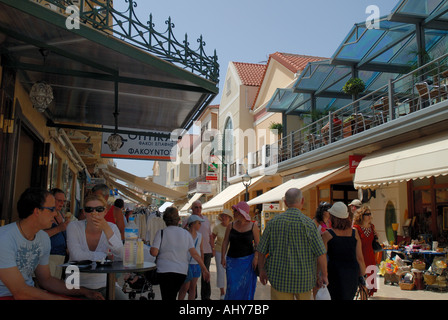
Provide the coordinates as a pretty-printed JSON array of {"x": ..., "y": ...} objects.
[{"x": 428, "y": 95}]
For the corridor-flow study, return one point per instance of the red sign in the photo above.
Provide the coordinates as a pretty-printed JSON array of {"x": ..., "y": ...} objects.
[{"x": 354, "y": 162}]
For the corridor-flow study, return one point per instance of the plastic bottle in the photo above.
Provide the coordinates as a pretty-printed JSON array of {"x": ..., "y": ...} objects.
[
  {"x": 130, "y": 244},
  {"x": 140, "y": 253}
]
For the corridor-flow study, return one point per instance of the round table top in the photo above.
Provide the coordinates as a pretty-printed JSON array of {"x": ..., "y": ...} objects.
[{"x": 115, "y": 267}]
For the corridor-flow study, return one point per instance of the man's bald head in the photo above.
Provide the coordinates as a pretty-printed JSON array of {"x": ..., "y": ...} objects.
[{"x": 293, "y": 198}]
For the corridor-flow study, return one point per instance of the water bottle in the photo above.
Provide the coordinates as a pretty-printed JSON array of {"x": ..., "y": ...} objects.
[{"x": 130, "y": 244}]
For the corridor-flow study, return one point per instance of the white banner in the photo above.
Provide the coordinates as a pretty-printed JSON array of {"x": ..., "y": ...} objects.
[{"x": 141, "y": 147}]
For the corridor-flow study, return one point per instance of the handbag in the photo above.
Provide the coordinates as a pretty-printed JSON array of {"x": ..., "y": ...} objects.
[{"x": 375, "y": 244}]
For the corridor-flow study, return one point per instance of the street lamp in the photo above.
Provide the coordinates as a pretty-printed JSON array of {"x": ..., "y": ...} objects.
[{"x": 247, "y": 179}]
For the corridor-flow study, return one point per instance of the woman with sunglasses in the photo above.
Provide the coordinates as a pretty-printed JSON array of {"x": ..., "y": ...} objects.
[
  {"x": 93, "y": 239},
  {"x": 363, "y": 223}
]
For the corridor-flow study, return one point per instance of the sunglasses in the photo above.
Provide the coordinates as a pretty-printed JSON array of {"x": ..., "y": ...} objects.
[
  {"x": 91, "y": 209},
  {"x": 367, "y": 214},
  {"x": 48, "y": 208}
]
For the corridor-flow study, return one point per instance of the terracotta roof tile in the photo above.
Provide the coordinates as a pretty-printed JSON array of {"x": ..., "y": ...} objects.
[
  {"x": 294, "y": 62},
  {"x": 251, "y": 74}
]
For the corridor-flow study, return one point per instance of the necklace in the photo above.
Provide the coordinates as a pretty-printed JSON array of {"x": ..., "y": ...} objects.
[{"x": 21, "y": 230}]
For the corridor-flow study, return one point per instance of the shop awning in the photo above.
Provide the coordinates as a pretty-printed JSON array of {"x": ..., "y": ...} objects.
[
  {"x": 142, "y": 183},
  {"x": 106, "y": 66},
  {"x": 303, "y": 184},
  {"x": 187, "y": 206},
  {"x": 130, "y": 194},
  {"x": 418, "y": 159},
  {"x": 218, "y": 202}
]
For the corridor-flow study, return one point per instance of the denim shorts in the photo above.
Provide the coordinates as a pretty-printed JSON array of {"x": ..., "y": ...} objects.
[{"x": 194, "y": 271}]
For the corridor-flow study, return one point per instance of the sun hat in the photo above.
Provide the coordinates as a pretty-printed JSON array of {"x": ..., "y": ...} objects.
[
  {"x": 339, "y": 210},
  {"x": 243, "y": 208},
  {"x": 226, "y": 212},
  {"x": 356, "y": 203},
  {"x": 194, "y": 218}
]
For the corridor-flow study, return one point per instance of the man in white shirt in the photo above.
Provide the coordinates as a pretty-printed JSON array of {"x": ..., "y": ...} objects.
[{"x": 26, "y": 250}]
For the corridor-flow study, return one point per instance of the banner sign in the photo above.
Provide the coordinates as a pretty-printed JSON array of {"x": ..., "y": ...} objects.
[
  {"x": 212, "y": 169},
  {"x": 141, "y": 147},
  {"x": 354, "y": 161}
]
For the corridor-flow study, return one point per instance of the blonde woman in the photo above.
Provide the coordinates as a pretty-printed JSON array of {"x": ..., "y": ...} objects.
[{"x": 92, "y": 239}]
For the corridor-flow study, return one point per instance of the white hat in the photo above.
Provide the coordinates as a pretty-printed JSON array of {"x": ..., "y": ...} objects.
[
  {"x": 356, "y": 203},
  {"x": 339, "y": 210}
]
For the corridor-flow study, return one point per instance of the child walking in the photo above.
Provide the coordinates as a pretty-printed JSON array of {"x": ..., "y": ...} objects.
[{"x": 194, "y": 270}]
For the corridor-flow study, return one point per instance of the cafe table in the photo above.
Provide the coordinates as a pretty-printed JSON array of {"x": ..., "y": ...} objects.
[{"x": 111, "y": 269}]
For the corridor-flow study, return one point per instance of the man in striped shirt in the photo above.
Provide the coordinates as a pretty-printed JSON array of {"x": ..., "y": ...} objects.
[{"x": 291, "y": 252}]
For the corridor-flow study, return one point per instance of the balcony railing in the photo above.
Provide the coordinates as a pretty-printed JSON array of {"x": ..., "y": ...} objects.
[
  {"x": 102, "y": 15},
  {"x": 412, "y": 92}
]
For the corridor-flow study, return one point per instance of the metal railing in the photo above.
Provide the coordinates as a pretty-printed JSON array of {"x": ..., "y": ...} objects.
[
  {"x": 125, "y": 25},
  {"x": 419, "y": 89}
]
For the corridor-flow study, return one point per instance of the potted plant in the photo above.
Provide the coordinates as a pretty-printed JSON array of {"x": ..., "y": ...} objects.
[
  {"x": 354, "y": 86},
  {"x": 277, "y": 126}
]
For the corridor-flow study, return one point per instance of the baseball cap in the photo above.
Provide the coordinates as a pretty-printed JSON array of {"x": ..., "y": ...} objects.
[
  {"x": 356, "y": 203},
  {"x": 194, "y": 218}
]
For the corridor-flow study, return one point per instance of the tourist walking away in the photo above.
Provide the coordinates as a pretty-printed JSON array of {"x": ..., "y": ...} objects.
[
  {"x": 322, "y": 217},
  {"x": 345, "y": 260},
  {"x": 58, "y": 234},
  {"x": 25, "y": 252},
  {"x": 291, "y": 252},
  {"x": 242, "y": 236},
  {"x": 171, "y": 247},
  {"x": 219, "y": 232},
  {"x": 208, "y": 246},
  {"x": 95, "y": 239},
  {"x": 113, "y": 214},
  {"x": 194, "y": 270},
  {"x": 366, "y": 230}
]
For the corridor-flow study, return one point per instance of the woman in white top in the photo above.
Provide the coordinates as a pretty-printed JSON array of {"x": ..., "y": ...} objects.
[
  {"x": 194, "y": 270},
  {"x": 171, "y": 247},
  {"x": 92, "y": 239}
]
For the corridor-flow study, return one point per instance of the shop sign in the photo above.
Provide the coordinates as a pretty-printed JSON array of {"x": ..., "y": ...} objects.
[
  {"x": 142, "y": 147},
  {"x": 271, "y": 207},
  {"x": 204, "y": 187},
  {"x": 354, "y": 161},
  {"x": 212, "y": 169}
]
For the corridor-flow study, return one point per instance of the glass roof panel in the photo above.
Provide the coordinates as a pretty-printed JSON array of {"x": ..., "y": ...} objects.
[
  {"x": 357, "y": 49},
  {"x": 281, "y": 100},
  {"x": 417, "y": 7}
]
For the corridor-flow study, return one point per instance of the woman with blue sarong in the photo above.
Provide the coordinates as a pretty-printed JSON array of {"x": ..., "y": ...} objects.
[{"x": 241, "y": 261}]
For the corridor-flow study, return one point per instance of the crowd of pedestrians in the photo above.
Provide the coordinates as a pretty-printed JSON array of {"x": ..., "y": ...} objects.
[{"x": 297, "y": 255}]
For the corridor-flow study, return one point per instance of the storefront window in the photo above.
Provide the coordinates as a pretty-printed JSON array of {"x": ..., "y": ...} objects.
[{"x": 430, "y": 208}]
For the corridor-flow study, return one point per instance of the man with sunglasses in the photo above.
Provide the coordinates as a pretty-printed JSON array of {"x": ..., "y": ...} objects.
[{"x": 25, "y": 252}]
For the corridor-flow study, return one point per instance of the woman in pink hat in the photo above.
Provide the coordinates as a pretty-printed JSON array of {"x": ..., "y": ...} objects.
[{"x": 240, "y": 263}]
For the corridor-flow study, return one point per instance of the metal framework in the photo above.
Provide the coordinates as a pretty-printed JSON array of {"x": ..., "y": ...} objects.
[{"x": 101, "y": 15}]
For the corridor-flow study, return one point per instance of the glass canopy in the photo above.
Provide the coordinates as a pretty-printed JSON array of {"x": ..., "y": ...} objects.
[{"x": 375, "y": 55}]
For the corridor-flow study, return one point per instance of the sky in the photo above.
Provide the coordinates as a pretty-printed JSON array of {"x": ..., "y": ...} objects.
[{"x": 251, "y": 30}]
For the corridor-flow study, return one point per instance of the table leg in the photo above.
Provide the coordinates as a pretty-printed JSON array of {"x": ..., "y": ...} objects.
[{"x": 110, "y": 286}]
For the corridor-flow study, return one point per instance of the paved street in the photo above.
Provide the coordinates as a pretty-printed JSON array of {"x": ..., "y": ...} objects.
[{"x": 385, "y": 292}]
